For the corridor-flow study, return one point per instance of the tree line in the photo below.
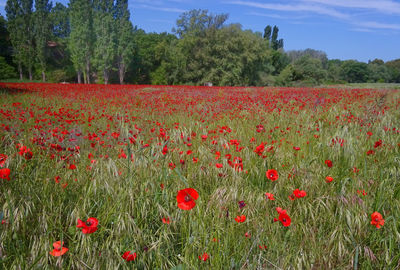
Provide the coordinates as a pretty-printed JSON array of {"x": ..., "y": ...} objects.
[{"x": 94, "y": 41}]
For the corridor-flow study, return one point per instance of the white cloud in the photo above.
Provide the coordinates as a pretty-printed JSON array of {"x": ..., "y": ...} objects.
[
  {"x": 276, "y": 16},
  {"x": 383, "y": 6},
  {"x": 294, "y": 8},
  {"x": 331, "y": 8},
  {"x": 165, "y": 9},
  {"x": 378, "y": 25}
]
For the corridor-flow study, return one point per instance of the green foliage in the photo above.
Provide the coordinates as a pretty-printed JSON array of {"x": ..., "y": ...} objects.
[
  {"x": 98, "y": 39},
  {"x": 105, "y": 37},
  {"x": 42, "y": 33},
  {"x": 82, "y": 36},
  {"x": 126, "y": 48},
  {"x": 310, "y": 70},
  {"x": 5, "y": 44},
  {"x": 20, "y": 26},
  {"x": 6, "y": 71},
  {"x": 378, "y": 71},
  {"x": 354, "y": 72},
  {"x": 197, "y": 21},
  {"x": 287, "y": 76},
  {"x": 59, "y": 17}
]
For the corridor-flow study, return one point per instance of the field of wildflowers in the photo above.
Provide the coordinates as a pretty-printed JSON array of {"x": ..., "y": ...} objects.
[{"x": 183, "y": 177}]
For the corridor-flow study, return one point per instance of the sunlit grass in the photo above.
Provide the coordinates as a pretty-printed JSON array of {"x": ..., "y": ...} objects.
[{"x": 129, "y": 196}]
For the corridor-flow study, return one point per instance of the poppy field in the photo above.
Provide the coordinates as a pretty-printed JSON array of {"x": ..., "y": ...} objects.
[{"x": 184, "y": 177}]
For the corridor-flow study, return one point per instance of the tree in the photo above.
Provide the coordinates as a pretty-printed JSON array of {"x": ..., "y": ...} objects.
[
  {"x": 354, "y": 71},
  {"x": 394, "y": 70},
  {"x": 59, "y": 18},
  {"x": 271, "y": 35},
  {"x": 310, "y": 70},
  {"x": 42, "y": 32},
  {"x": 5, "y": 44},
  {"x": 82, "y": 37},
  {"x": 105, "y": 37},
  {"x": 334, "y": 71},
  {"x": 196, "y": 21},
  {"x": 267, "y": 32},
  {"x": 6, "y": 71},
  {"x": 19, "y": 25},
  {"x": 378, "y": 71},
  {"x": 125, "y": 46}
]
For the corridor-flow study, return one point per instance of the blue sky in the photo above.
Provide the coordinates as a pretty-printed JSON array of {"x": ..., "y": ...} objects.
[{"x": 344, "y": 29}]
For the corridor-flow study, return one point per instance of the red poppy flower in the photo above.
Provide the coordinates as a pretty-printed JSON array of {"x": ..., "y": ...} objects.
[
  {"x": 3, "y": 159},
  {"x": 377, "y": 220},
  {"x": 241, "y": 204},
  {"x": 378, "y": 143},
  {"x": 72, "y": 166},
  {"x": 328, "y": 163},
  {"x": 129, "y": 256},
  {"x": 299, "y": 193},
  {"x": 296, "y": 148},
  {"x": 5, "y": 174},
  {"x": 90, "y": 226},
  {"x": 240, "y": 219},
  {"x": 259, "y": 149},
  {"x": 329, "y": 179},
  {"x": 219, "y": 165},
  {"x": 269, "y": 196},
  {"x": 272, "y": 175},
  {"x": 58, "y": 250},
  {"x": 204, "y": 257},
  {"x": 283, "y": 217},
  {"x": 370, "y": 152},
  {"x": 165, "y": 220},
  {"x": 186, "y": 198},
  {"x": 171, "y": 165}
]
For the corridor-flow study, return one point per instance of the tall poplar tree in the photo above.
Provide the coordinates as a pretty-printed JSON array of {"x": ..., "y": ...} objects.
[
  {"x": 105, "y": 37},
  {"x": 81, "y": 37},
  {"x": 42, "y": 32},
  {"x": 125, "y": 45},
  {"x": 20, "y": 27}
]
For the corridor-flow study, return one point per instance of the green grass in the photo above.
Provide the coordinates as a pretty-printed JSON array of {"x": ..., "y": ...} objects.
[{"x": 330, "y": 226}]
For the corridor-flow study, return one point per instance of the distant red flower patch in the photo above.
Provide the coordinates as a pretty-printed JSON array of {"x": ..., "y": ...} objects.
[{"x": 186, "y": 198}]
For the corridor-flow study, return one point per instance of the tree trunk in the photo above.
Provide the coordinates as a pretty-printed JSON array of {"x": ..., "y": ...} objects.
[
  {"x": 84, "y": 77},
  {"x": 106, "y": 77},
  {"x": 79, "y": 73},
  {"x": 21, "y": 77},
  {"x": 88, "y": 71},
  {"x": 121, "y": 71},
  {"x": 30, "y": 73},
  {"x": 43, "y": 76}
]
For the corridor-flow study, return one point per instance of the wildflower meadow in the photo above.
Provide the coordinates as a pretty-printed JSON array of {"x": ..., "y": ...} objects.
[{"x": 185, "y": 177}]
